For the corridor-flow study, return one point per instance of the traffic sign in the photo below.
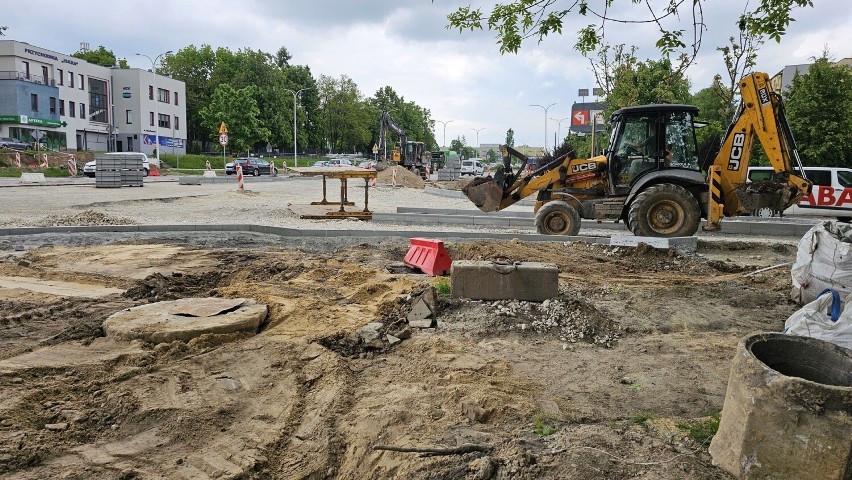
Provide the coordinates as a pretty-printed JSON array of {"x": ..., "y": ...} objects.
[
  {"x": 597, "y": 115},
  {"x": 223, "y": 130},
  {"x": 580, "y": 117},
  {"x": 375, "y": 149},
  {"x": 223, "y": 139}
]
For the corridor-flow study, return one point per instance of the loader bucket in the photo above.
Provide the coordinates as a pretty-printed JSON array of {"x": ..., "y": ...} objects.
[{"x": 485, "y": 193}]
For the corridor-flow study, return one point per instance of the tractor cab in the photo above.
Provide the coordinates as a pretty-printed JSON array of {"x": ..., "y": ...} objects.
[{"x": 648, "y": 138}]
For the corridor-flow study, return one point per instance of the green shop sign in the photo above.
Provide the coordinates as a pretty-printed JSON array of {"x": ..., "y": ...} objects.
[{"x": 26, "y": 120}]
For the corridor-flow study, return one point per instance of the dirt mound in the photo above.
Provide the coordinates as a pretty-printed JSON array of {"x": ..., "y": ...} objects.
[{"x": 404, "y": 177}]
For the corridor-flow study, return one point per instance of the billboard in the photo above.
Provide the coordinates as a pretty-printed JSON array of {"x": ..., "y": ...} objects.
[{"x": 582, "y": 115}]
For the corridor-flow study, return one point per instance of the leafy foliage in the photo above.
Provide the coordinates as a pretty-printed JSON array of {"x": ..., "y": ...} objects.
[
  {"x": 818, "y": 106},
  {"x": 238, "y": 109},
  {"x": 519, "y": 20},
  {"x": 101, "y": 56},
  {"x": 510, "y": 137}
]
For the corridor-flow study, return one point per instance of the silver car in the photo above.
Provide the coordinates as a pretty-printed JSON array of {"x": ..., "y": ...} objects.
[{"x": 11, "y": 143}]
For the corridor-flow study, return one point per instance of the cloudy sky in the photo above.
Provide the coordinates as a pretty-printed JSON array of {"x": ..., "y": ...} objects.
[{"x": 461, "y": 78}]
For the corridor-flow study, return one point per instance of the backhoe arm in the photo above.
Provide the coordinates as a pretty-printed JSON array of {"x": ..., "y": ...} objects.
[{"x": 760, "y": 115}]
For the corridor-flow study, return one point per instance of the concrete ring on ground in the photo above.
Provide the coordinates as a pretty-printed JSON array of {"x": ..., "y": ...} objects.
[
  {"x": 788, "y": 410},
  {"x": 185, "y": 319}
]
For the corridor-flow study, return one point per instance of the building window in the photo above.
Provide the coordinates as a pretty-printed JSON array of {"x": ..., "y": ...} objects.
[
  {"x": 128, "y": 116},
  {"x": 71, "y": 81},
  {"x": 53, "y": 105},
  {"x": 44, "y": 74},
  {"x": 60, "y": 75},
  {"x": 34, "y": 102},
  {"x": 150, "y": 93},
  {"x": 82, "y": 110},
  {"x": 176, "y": 98},
  {"x": 152, "y": 119},
  {"x": 72, "y": 108},
  {"x": 163, "y": 95},
  {"x": 177, "y": 123},
  {"x": 98, "y": 100},
  {"x": 165, "y": 120},
  {"x": 26, "y": 70},
  {"x": 82, "y": 82},
  {"x": 62, "y": 107}
]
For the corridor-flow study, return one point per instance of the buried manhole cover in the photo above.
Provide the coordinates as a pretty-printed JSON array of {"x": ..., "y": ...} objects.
[{"x": 185, "y": 319}]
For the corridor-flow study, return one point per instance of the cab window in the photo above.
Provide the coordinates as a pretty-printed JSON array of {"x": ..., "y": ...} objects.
[{"x": 680, "y": 142}]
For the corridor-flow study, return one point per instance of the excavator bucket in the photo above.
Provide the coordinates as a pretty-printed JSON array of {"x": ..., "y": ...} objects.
[{"x": 485, "y": 193}]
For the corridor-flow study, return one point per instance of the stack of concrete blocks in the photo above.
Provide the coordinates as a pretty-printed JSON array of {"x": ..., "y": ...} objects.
[
  {"x": 115, "y": 171},
  {"x": 452, "y": 170}
]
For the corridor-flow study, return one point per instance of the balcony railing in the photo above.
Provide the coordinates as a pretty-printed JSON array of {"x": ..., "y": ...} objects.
[{"x": 27, "y": 78}]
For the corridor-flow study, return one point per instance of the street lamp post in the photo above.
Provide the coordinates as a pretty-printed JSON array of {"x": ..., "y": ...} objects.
[
  {"x": 156, "y": 101},
  {"x": 559, "y": 127},
  {"x": 545, "y": 121},
  {"x": 445, "y": 131},
  {"x": 477, "y": 130},
  {"x": 295, "y": 107}
]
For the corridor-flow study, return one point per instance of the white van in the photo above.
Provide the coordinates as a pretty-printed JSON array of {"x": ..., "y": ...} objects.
[
  {"x": 472, "y": 166},
  {"x": 831, "y": 195},
  {"x": 90, "y": 167}
]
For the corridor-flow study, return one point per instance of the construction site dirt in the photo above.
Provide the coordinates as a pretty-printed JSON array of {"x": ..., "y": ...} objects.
[{"x": 622, "y": 375}]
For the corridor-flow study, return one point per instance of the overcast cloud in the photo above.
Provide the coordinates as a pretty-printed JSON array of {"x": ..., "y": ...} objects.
[{"x": 405, "y": 44}]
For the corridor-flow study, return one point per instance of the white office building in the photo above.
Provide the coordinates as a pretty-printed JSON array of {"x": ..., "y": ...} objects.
[{"x": 71, "y": 104}]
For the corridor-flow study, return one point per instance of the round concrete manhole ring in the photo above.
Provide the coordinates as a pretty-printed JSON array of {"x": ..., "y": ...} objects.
[
  {"x": 787, "y": 411},
  {"x": 185, "y": 319}
]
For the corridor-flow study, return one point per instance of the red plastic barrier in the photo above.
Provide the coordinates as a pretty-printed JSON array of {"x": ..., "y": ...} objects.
[
  {"x": 154, "y": 172},
  {"x": 429, "y": 256}
]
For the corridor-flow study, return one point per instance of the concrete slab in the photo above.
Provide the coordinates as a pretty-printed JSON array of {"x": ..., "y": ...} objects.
[
  {"x": 185, "y": 319},
  {"x": 485, "y": 280},
  {"x": 29, "y": 177},
  {"x": 679, "y": 244}
]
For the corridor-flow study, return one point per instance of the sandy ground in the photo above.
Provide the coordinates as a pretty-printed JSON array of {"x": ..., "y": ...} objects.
[{"x": 615, "y": 378}]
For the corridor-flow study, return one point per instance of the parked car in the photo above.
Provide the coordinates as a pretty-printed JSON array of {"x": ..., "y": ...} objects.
[
  {"x": 14, "y": 144},
  {"x": 251, "y": 166},
  {"x": 321, "y": 163},
  {"x": 367, "y": 165},
  {"x": 90, "y": 168},
  {"x": 471, "y": 166},
  {"x": 339, "y": 162}
]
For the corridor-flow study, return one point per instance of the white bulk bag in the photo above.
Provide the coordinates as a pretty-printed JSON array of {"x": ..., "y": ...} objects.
[
  {"x": 823, "y": 261},
  {"x": 822, "y": 319}
]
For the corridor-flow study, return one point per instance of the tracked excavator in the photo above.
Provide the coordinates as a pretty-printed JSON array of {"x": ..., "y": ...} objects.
[
  {"x": 405, "y": 153},
  {"x": 649, "y": 175}
]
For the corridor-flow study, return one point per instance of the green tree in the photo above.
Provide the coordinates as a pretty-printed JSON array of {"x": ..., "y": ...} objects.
[
  {"x": 739, "y": 57},
  {"x": 238, "y": 109},
  {"x": 510, "y": 137},
  {"x": 101, "y": 56},
  {"x": 344, "y": 116},
  {"x": 519, "y": 20},
  {"x": 642, "y": 83},
  {"x": 818, "y": 106},
  {"x": 414, "y": 119}
]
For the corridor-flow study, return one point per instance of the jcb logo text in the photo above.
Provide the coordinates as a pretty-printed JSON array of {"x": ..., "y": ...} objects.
[
  {"x": 583, "y": 167},
  {"x": 736, "y": 152}
]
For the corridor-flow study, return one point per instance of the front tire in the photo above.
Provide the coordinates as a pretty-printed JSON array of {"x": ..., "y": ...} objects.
[
  {"x": 664, "y": 210},
  {"x": 255, "y": 173},
  {"x": 557, "y": 218}
]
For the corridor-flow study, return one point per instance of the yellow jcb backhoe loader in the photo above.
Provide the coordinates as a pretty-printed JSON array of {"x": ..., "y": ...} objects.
[{"x": 650, "y": 177}]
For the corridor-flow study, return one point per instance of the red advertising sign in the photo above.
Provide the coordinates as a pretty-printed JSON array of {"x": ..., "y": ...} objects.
[{"x": 580, "y": 117}]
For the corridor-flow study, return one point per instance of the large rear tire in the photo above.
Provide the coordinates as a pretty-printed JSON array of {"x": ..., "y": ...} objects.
[
  {"x": 557, "y": 218},
  {"x": 664, "y": 210}
]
